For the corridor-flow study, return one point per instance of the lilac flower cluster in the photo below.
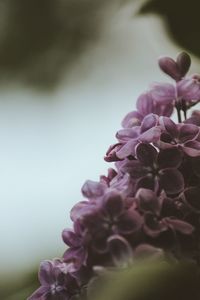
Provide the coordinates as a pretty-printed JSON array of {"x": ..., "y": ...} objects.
[{"x": 150, "y": 204}]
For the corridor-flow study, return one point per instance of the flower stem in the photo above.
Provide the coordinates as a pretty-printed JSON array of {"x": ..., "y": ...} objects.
[
  {"x": 179, "y": 115},
  {"x": 185, "y": 113}
]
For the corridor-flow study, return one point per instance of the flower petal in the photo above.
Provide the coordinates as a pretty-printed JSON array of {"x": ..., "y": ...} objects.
[
  {"x": 40, "y": 294},
  {"x": 92, "y": 189},
  {"x": 114, "y": 204},
  {"x": 80, "y": 209},
  {"x": 188, "y": 132},
  {"x": 152, "y": 226},
  {"x": 169, "y": 126},
  {"x": 134, "y": 168},
  {"x": 145, "y": 104},
  {"x": 149, "y": 121},
  {"x": 99, "y": 242},
  {"x": 192, "y": 148},
  {"x": 148, "y": 201},
  {"x": 129, "y": 222},
  {"x": 75, "y": 257},
  {"x": 111, "y": 152},
  {"x": 146, "y": 182},
  {"x": 189, "y": 89},
  {"x": 179, "y": 225},
  {"x": 146, "y": 154},
  {"x": 163, "y": 93},
  {"x": 171, "y": 180},
  {"x": 120, "y": 250},
  {"x": 122, "y": 183},
  {"x": 124, "y": 135},
  {"x": 150, "y": 136},
  {"x": 165, "y": 141},
  {"x": 134, "y": 118},
  {"x": 70, "y": 238},
  {"x": 169, "y": 158},
  {"x": 195, "y": 120},
  {"x": 46, "y": 273},
  {"x": 127, "y": 149}
]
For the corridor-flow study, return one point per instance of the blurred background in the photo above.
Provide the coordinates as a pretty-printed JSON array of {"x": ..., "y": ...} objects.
[{"x": 69, "y": 71}]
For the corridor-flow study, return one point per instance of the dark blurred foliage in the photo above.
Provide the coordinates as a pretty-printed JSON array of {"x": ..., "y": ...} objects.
[
  {"x": 182, "y": 21},
  {"x": 18, "y": 288},
  {"x": 153, "y": 281},
  {"x": 39, "y": 39}
]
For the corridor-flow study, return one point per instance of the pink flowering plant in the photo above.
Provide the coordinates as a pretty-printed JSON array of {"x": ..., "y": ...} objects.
[{"x": 149, "y": 205}]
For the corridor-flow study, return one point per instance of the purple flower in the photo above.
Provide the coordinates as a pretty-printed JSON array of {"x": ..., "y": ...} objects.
[
  {"x": 109, "y": 178},
  {"x": 196, "y": 113},
  {"x": 188, "y": 91},
  {"x": 164, "y": 93},
  {"x": 55, "y": 284},
  {"x": 148, "y": 132},
  {"x": 111, "y": 154},
  {"x": 182, "y": 95},
  {"x": 182, "y": 136},
  {"x": 133, "y": 118},
  {"x": 189, "y": 88},
  {"x": 120, "y": 250},
  {"x": 155, "y": 170},
  {"x": 194, "y": 119},
  {"x": 95, "y": 192},
  {"x": 154, "y": 220},
  {"x": 113, "y": 217},
  {"x": 149, "y": 206},
  {"x": 148, "y": 104},
  {"x": 76, "y": 254}
]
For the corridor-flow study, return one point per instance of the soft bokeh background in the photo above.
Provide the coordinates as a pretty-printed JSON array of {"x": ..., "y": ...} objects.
[{"x": 69, "y": 71}]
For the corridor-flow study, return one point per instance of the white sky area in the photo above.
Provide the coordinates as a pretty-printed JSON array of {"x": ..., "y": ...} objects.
[{"x": 51, "y": 143}]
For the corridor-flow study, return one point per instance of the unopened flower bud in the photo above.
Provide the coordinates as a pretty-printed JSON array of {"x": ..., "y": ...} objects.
[
  {"x": 169, "y": 66},
  {"x": 184, "y": 62}
]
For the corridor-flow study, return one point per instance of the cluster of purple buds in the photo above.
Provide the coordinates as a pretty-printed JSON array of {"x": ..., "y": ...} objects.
[{"x": 149, "y": 205}]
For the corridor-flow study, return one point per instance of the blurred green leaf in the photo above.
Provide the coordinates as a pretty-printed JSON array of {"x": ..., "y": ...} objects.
[
  {"x": 153, "y": 281},
  {"x": 181, "y": 19},
  {"x": 18, "y": 288},
  {"x": 41, "y": 39}
]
